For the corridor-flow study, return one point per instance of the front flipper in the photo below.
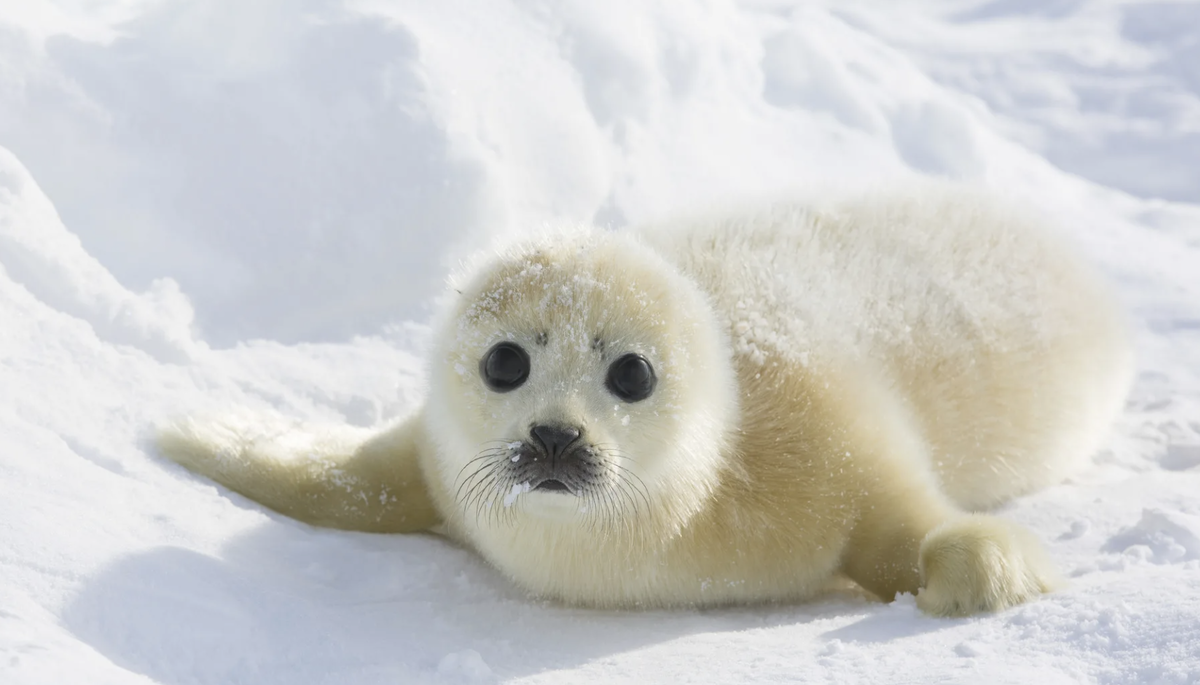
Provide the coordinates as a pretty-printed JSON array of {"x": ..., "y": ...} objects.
[
  {"x": 909, "y": 538},
  {"x": 976, "y": 563},
  {"x": 957, "y": 564},
  {"x": 335, "y": 476}
]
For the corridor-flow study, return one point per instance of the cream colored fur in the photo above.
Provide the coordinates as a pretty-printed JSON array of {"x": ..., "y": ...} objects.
[{"x": 839, "y": 386}]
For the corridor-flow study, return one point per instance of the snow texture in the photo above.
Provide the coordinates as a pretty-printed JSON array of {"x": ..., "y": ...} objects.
[{"x": 210, "y": 203}]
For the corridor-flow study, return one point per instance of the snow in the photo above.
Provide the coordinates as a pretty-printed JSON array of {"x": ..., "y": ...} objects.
[
  {"x": 514, "y": 492},
  {"x": 208, "y": 203}
]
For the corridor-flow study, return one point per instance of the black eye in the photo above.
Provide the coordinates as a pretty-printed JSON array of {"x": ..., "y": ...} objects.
[
  {"x": 505, "y": 367},
  {"x": 631, "y": 378}
]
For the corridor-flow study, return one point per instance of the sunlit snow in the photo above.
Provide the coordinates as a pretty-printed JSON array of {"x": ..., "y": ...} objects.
[{"x": 214, "y": 203}]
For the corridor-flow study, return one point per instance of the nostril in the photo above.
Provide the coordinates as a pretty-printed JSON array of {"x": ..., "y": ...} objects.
[{"x": 555, "y": 439}]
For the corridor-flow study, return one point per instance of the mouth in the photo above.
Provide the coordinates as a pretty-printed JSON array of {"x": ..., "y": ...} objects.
[{"x": 552, "y": 485}]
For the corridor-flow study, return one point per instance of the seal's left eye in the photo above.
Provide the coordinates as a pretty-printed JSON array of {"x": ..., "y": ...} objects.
[
  {"x": 505, "y": 367},
  {"x": 631, "y": 378}
]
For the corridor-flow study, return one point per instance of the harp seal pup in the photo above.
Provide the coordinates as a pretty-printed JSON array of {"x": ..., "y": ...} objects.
[{"x": 732, "y": 409}]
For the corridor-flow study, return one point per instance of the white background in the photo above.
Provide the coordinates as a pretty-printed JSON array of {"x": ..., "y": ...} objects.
[{"x": 216, "y": 202}]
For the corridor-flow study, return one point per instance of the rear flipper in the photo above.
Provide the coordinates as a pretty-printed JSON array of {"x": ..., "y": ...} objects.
[{"x": 331, "y": 476}]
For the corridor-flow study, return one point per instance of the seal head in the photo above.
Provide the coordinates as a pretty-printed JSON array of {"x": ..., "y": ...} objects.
[{"x": 580, "y": 381}]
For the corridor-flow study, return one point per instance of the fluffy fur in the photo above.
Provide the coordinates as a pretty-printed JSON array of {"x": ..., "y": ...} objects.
[{"x": 839, "y": 386}]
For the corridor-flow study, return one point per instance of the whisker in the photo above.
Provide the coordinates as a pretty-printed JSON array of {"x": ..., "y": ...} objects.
[
  {"x": 625, "y": 486},
  {"x": 483, "y": 456},
  {"x": 637, "y": 484},
  {"x": 481, "y": 489},
  {"x": 472, "y": 476}
]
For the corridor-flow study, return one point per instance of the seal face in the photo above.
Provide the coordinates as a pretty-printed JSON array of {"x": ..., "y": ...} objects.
[{"x": 585, "y": 406}]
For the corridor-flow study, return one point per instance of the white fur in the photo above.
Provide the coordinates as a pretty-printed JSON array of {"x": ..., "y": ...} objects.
[
  {"x": 838, "y": 386},
  {"x": 933, "y": 273}
]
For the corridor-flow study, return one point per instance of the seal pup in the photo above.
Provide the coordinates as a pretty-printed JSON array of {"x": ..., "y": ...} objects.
[{"x": 736, "y": 408}]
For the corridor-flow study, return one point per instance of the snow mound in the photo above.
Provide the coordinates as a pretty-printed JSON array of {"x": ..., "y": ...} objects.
[
  {"x": 40, "y": 254},
  {"x": 1162, "y": 537},
  {"x": 1181, "y": 457},
  {"x": 210, "y": 203}
]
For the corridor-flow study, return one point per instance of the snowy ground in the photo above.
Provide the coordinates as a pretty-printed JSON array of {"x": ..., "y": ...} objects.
[{"x": 205, "y": 202}]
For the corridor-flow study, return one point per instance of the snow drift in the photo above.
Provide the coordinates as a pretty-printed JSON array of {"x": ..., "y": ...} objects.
[{"x": 214, "y": 203}]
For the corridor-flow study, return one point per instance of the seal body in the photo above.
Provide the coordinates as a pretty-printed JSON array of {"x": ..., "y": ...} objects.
[{"x": 734, "y": 408}]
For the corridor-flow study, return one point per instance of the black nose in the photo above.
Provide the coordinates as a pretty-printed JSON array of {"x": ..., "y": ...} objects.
[{"x": 555, "y": 439}]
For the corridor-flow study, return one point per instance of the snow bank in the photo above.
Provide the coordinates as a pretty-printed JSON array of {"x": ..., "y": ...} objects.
[{"x": 209, "y": 204}]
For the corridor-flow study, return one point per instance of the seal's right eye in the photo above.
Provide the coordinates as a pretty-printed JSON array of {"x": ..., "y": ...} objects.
[{"x": 505, "y": 367}]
